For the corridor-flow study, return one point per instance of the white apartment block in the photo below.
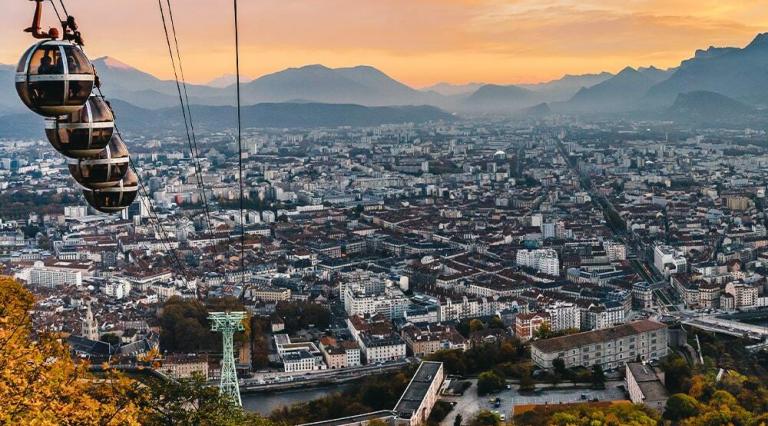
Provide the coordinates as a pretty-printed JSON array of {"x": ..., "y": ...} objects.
[
  {"x": 563, "y": 315},
  {"x": 667, "y": 260},
  {"x": 744, "y": 295},
  {"x": 615, "y": 251},
  {"x": 392, "y": 303},
  {"x": 270, "y": 294},
  {"x": 353, "y": 356},
  {"x": 543, "y": 260},
  {"x": 382, "y": 349},
  {"x": 456, "y": 310},
  {"x": 299, "y": 361},
  {"x": 47, "y": 276},
  {"x": 117, "y": 289}
]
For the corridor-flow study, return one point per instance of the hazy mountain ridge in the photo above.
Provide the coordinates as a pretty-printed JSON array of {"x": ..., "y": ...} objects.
[
  {"x": 741, "y": 74},
  {"x": 218, "y": 118},
  {"x": 449, "y": 89},
  {"x": 618, "y": 93},
  {"x": 706, "y": 108},
  {"x": 737, "y": 73}
]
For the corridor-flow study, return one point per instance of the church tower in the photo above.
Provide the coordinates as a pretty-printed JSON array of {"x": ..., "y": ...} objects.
[{"x": 90, "y": 326}]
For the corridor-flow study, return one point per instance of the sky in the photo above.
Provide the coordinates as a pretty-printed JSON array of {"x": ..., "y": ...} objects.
[{"x": 419, "y": 42}]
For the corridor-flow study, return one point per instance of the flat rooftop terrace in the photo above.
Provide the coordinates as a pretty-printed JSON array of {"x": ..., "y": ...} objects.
[{"x": 417, "y": 390}]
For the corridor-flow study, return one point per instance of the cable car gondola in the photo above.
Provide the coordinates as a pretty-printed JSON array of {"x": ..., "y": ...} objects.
[
  {"x": 104, "y": 170},
  {"x": 83, "y": 133},
  {"x": 54, "y": 77},
  {"x": 114, "y": 198}
]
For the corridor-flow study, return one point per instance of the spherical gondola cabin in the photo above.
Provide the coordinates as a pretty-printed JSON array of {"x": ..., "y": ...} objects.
[
  {"x": 54, "y": 77},
  {"x": 83, "y": 133},
  {"x": 115, "y": 198},
  {"x": 104, "y": 170}
]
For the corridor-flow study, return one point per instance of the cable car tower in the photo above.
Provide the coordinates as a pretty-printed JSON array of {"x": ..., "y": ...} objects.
[{"x": 228, "y": 323}]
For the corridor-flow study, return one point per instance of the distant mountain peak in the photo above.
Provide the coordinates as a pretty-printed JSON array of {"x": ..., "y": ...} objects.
[
  {"x": 627, "y": 70},
  {"x": 113, "y": 63},
  {"x": 311, "y": 67},
  {"x": 227, "y": 80},
  {"x": 760, "y": 41}
]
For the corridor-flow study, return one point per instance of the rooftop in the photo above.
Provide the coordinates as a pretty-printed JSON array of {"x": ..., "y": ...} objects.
[{"x": 417, "y": 390}]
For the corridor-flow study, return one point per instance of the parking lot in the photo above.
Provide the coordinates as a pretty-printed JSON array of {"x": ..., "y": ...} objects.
[{"x": 470, "y": 403}]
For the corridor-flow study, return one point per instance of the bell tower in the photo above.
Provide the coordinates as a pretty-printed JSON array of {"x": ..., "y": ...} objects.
[{"x": 90, "y": 327}]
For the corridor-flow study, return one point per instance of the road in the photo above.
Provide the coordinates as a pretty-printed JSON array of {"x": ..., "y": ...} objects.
[{"x": 664, "y": 301}]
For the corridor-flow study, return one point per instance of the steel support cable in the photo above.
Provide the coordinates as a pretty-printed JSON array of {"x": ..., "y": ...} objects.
[
  {"x": 240, "y": 152},
  {"x": 187, "y": 119},
  {"x": 158, "y": 227},
  {"x": 56, "y": 10},
  {"x": 153, "y": 215},
  {"x": 196, "y": 153},
  {"x": 64, "y": 8}
]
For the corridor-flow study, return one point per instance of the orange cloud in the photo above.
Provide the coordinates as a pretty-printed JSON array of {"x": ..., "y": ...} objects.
[{"x": 417, "y": 41}]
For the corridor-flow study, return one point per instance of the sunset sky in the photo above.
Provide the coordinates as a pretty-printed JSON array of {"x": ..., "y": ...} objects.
[{"x": 419, "y": 42}]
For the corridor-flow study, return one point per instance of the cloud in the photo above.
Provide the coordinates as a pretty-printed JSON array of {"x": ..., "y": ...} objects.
[{"x": 419, "y": 41}]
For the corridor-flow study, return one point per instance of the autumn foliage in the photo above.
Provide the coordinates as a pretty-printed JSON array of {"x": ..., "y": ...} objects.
[{"x": 39, "y": 383}]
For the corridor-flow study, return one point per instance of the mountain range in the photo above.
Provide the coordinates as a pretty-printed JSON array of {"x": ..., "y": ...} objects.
[{"x": 736, "y": 74}]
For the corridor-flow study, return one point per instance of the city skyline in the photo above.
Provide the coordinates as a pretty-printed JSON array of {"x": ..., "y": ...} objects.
[{"x": 456, "y": 41}]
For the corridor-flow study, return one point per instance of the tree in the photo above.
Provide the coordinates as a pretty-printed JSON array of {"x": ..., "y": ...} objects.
[
  {"x": 543, "y": 332},
  {"x": 300, "y": 315},
  {"x": 110, "y": 338},
  {"x": 677, "y": 373},
  {"x": 184, "y": 327},
  {"x": 496, "y": 322},
  {"x": 527, "y": 384},
  {"x": 490, "y": 381},
  {"x": 559, "y": 366},
  {"x": 191, "y": 402},
  {"x": 39, "y": 383},
  {"x": 476, "y": 325},
  {"x": 598, "y": 377},
  {"x": 485, "y": 418},
  {"x": 681, "y": 406},
  {"x": 621, "y": 414}
]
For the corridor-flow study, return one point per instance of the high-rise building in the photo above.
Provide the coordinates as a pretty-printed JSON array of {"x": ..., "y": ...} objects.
[{"x": 543, "y": 260}]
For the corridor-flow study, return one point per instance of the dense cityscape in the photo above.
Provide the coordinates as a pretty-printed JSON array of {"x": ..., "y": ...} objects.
[{"x": 367, "y": 249}]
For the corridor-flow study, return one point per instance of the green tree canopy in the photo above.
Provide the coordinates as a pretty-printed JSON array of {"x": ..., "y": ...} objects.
[{"x": 490, "y": 381}]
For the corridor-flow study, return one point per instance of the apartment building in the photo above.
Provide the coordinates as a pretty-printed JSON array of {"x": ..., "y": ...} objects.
[
  {"x": 543, "y": 260},
  {"x": 526, "y": 325},
  {"x": 610, "y": 348}
]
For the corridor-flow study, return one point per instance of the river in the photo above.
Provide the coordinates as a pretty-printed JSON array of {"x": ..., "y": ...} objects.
[{"x": 266, "y": 402}]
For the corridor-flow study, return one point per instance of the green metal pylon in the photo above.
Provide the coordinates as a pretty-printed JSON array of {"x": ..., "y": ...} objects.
[{"x": 228, "y": 323}]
